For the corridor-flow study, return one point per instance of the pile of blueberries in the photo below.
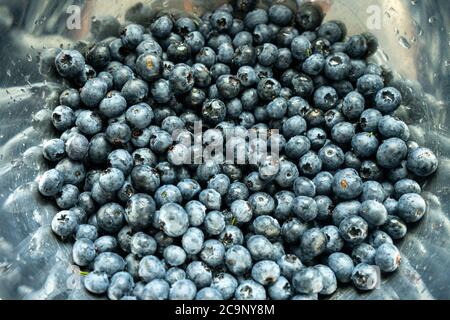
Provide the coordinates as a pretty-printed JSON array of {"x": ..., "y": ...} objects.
[{"x": 326, "y": 211}]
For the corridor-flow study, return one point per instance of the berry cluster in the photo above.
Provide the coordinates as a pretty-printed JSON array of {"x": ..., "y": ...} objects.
[{"x": 325, "y": 210}]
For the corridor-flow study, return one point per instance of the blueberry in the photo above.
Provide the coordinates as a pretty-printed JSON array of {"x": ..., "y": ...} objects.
[
  {"x": 178, "y": 52},
  {"x": 387, "y": 257},
  {"x": 347, "y": 184},
  {"x": 268, "y": 89},
  {"x": 365, "y": 277},
  {"x": 333, "y": 31},
  {"x": 332, "y": 157},
  {"x": 422, "y": 162},
  {"x": 69, "y": 63},
  {"x": 391, "y": 153},
  {"x": 373, "y": 212},
  {"x": 313, "y": 242},
  {"x": 404, "y": 186},
  {"x": 195, "y": 41},
  {"x": 329, "y": 280},
  {"x": 353, "y": 229},
  {"x": 110, "y": 217},
  {"x": 189, "y": 188},
  {"x": 134, "y": 91},
  {"x": 335, "y": 243},
  {"x": 283, "y": 60},
  {"x": 308, "y": 281},
  {"x": 369, "y": 120},
  {"x": 96, "y": 282},
  {"x": 214, "y": 111},
  {"x": 70, "y": 98},
  {"x": 214, "y": 223},
  {"x": 86, "y": 231},
  {"x": 89, "y": 122},
  {"x": 310, "y": 164},
  {"x": 174, "y": 274},
  {"x": 196, "y": 212},
  {"x": 365, "y": 144},
  {"x": 208, "y": 294},
  {"x": 391, "y": 206},
  {"x": 51, "y": 183},
  {"x": 370, "y": 84},
  {"x": 304, "y": 208},
  {"x": 255, "y": 17},
  {"x": 325, "y": 205},
  {"x": 317, "y": 136},
  {"x": 199, "y": 273},
  {"x": 183, "y": 290},
  {"x": 342, "y": 266},
  {"x": 388, "y": 99},
  {"x": 139, "y": 116},
  {"x": 162, "y": 26},
  {"x": 167, "y": 194},
  {"x": 250, "y": 290},
  {"x": 267, "y": 54},
  {"x": 391, "y": 127},
  {"x": 314, "y": 64},
  {"x": 373, "y": 190},
  {"x": 411, "y": 207},
  {"x": 113, "y": 105},
  {"x": 192, "y": 241},
  {"x": 93, "y": 92},
  {"x": 106, "y": 244},
  {"x": 301, "y": 48},
  {"x": 343, "y": 132},
  {"x": 83, "y": 252},
  {"x": 280, "y": 14},
  {"x": 173, "y": 220},
  {"x": 174, "y": 255},
  {"x": 353, "y": 105},
  {"x": 370, "y": 170},
  {"x": 265, "y": 272},
  {"x": 67, "y": 197},
  {"x": 148, "y": 66},
  {"x": 213, "y": 253},
  {"x": 73, "y": 172},
  {"x": 139, "y": 211},
  {"x": 109, "y": 263},
  {"x": 150, "y": 268},
  {"x": 142, "y": 244},
  {"x": 337, "y": 66},
  {"x": 157, "y": 289},
  {"x": 160, "y": 141},
  {"x": 308, "y": 17},
  {"x": 63, "y": 118},
  {"x": 231, "y": 236},
  {"x": 247, "y": 77}
]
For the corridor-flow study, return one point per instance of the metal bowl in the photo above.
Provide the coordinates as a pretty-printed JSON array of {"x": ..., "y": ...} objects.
[{"x": 414, "y": 37}]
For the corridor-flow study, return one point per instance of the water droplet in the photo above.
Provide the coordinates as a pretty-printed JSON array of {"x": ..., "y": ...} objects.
[
  {"x": 404, "y": 42},
  {"x": 447, "y": 63},
  {"x": 29, "y": 58},
  {"x": 413, "y": 39},
  {"x": 432, "y": 19},
  {"x": 8, "y": 73},
  {"x": 413, "y": 2}
]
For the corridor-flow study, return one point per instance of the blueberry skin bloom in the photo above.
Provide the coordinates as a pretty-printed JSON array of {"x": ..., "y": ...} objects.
[
  {"x": 391, "y": 153},
  {"x": 53, "y": 150},
  {"x": 325, "y": 98},
  {"x": 145, "y": 179},
  {"x": 411, "y": 207},
  {"x": 280, "y": 14},
  {"x": 63, "y": 118},
  {"x": 305, "y": 208},
  {"x": 50, "y": 183},
  {"x": 387, "y": 257},
  {"x": 148, "y": 66},
  {"x": 422, "y": 162},
  {"x": 388, "y": 99},
  {"x": 173, "y": 220},
  {"x": 250, "y": 290},
  {"x": 347, "y": 184}
]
